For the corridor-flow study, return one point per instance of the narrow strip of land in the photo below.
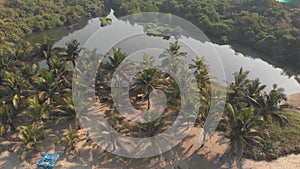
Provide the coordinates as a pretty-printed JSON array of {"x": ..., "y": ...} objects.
[{"x": 294, "y": 102}]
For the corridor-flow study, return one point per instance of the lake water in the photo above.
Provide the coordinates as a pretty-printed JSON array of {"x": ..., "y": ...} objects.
[{"x": 231, "y": 60}]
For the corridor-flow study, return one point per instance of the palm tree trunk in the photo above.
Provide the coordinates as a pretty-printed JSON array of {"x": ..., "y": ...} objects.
[
  {"x": 148, "y": 102},
  {"x": 239, "y": 163},
  {"x": 74, "y": 62}
]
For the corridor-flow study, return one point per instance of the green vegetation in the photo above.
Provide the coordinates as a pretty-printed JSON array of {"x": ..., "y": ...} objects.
[
  {"x": 250, "y": 116},
  {"x": 19, "y": 18},
  {"x": 105, "y": 21},
  {"x": 70, "y": 140},
  {"x": 281, "y": 141},
  {"x": 33, "y": 98},
  {"x": 252, "y": 120},
  {"x": 267, "y": 26}
]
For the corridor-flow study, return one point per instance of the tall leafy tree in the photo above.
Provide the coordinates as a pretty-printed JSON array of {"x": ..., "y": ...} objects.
[
  {"x": 147, "y": 81},
  {"x": 243, "y": 131},
  {"x": 73, "y": 50},
  {"x": 203, "y": 78},
  {"x": 238, "y": 87},
  {"x": 110, "y": 63},
  {"x": 267, "y": 106}
]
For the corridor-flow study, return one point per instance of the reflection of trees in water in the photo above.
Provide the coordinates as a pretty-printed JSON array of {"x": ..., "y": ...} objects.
[{"x": 261, "y": 25}]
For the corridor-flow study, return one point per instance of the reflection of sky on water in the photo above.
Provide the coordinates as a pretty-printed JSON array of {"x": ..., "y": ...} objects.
[{"x": 231, "y": 61}]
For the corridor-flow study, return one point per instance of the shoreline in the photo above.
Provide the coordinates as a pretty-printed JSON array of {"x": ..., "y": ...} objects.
[{"x": 294, "y": 99}]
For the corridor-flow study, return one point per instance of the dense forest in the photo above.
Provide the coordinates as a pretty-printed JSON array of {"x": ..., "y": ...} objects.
[
  {"x": 24, "y": 17},
  {"x": 34, "y": 99}
]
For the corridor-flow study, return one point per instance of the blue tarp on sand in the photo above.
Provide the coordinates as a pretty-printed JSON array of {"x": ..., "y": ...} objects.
[{"x": 48, "y": 161}]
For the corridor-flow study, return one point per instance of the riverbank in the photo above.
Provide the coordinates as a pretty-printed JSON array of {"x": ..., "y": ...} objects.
[
  {"x": 294, "y": 101},
  {"x": 290, "y": 68}
]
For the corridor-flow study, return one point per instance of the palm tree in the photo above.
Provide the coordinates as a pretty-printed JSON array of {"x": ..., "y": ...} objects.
[
  {"x": 148, "y": 61},
  {"x": 266, "y": 106},
  {"x": 172, "y": 58},
  {"x": 243, "y": 131},
  {"x": 35, "y": 110},
  {"x": 73, "y": 51},
  {"x": 69, "y": 141},
  {"x": 110, "y": 63},
  {"x": 254, "y": 88},
  {"x": 63, "y": 108},
  {"x": 15, "y": 89},
  {"x": 25, "y": 50},
  {"x": 201, "y": 73},
  {"x": 52, "y": 82},
  {"x": 148, "y": 80},
  {"x": 47, "y": 50},
  {"x": 4, "y": 62},
  {"x": 238, "y": 87},
  {"x": 58, "y": 66},
  {"x": 47, "y": 86},
  {"x": 29, "y": 70},
  {"x": 7, "y": 118},
  {"x": 32, "y": 135}
]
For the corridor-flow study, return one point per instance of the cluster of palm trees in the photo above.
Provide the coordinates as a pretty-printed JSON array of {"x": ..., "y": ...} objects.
[
  {"x": 33, "y": 97},
  {"x": 248, "y": 111},
  {"x": 150, "y": 79}
]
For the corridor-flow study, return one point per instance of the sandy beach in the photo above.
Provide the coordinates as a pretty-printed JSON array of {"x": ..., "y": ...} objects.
[
  {"x": 294, "y": 101},
  {"x": 186, "y": 155}
]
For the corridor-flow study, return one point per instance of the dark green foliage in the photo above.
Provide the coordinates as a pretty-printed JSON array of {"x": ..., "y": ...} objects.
[
  {"x": 250, "y": 113},
  {"x": 69, "y": 141},
  {"x": 32, "y": 97},
  {"x": 32, "y": 135},
  {"x": 243, "y": 130},
  {"x": 267, "y": 26},
  {"x": 105, "y": 21},
  {"x": 23, "y": 17}
]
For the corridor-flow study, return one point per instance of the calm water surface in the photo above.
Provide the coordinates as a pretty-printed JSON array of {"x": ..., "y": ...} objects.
[{"x": 231, "y": 60}]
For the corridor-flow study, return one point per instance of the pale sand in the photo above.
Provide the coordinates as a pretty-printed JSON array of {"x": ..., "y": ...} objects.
[
  {"x": 186, "y": 155},
  {"x": 294, "y": 100}
]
